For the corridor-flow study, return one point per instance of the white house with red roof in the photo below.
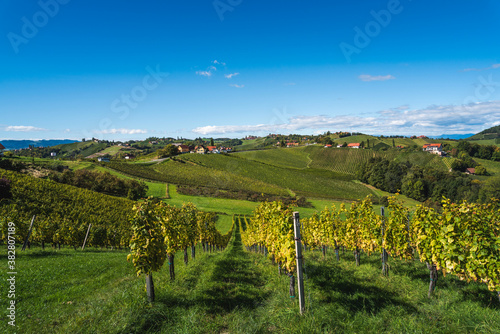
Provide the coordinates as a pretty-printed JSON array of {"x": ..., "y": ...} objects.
[
  {"x": 354, "y": 145},
  {"x": 433, "y": 148}
]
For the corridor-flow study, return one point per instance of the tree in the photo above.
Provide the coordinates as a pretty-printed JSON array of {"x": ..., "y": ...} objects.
[
  {"x": 168, "y": 151},
  {"x": 480, "y": 170},
  {"x": 344, "y": 144},
  {"x": 212, "y": 142}
]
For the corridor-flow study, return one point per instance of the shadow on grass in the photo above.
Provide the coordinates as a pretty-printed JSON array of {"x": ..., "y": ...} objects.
[
  {"x": 479, "y": 293},
  {"x": 234, "y": 283},
  {"x": 237, "y": 282},
  {"x": 351, "y": 293}
]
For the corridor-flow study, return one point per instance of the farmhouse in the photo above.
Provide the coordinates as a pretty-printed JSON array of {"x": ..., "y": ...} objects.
[
  {"x": 354, "y": 145},
  {"x": 470, "y": 171},
  {"x": 211, "y": 149},
  {"x": 433, "y": 148},
  {"x": 200, "y": 149},
  {"x": 183, "y": 148},
  {"x": 291, "y": 144},
  {"x": 328, "y": 145}
]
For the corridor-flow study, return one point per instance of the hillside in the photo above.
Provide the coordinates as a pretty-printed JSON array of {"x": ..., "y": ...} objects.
[
  {"x": 20, "y": 144},
  {"x": 491, "y": 133}
]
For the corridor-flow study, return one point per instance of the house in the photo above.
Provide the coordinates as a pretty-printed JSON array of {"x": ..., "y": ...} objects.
[
  {"x": 433, "y": 148},
  {"x": 291, "y": 144},
  {"x": 128, "y": 156},
  {"x": 53, "y": 154},
  {"x": 211, "y": 148},
  {"x": 339, "y": 145},
  {"x": 200, "y": 149},
  {"x": 103, "y": 159},
  {"x": 470, "y": 171},
  {"x": 183, "y": 148},
  {"x": 354, "y": 145},
  {"x": 1, "y": 149},
  {"x": 328, "y": 145}
]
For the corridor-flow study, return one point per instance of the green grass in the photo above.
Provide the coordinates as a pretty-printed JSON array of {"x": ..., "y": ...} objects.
[
  {"x": 492, "y": 167},
  {"x": 226, "y": 206},
  {"x": 235, "y": 291}
]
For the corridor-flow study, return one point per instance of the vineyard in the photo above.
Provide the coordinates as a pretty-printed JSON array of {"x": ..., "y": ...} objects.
[
  {"x": 463, "y": 240},
  {"x": 64, "y": 213},
  {"x": 308, "y": 182},
  {"x": 344, "y": 160}
]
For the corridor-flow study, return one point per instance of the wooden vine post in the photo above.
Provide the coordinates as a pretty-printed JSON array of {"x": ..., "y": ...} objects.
[
  {"x": 26, "y": 241},
  {"x": 86, "y": 236},
  {"x": 298, "y": 251}
]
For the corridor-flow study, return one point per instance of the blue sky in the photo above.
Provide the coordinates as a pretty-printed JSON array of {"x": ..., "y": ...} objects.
[{"x": 229, "y": 68}]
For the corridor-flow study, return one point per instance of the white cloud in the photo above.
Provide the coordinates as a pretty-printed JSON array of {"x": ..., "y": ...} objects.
[
  {"x": 204, "y": 73},
  {"x": 367, "y": 77},
  {"x": 229, "y": 76},
  {"x": 67, "y": 130},
  {"x": 433, "y": 120},
  {"x": 122, "y": 131},
  {"x": 237, "y": 86},
  {"x": 23, "y": 128},
  {"x": 492, "y": 67},
  {"x": 219, "y": 62}
]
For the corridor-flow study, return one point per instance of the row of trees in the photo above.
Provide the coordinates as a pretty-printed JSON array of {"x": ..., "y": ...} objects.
[{"x": 424, "y": 183}]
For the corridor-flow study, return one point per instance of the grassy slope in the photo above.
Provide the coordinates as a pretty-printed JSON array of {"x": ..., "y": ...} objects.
[
  {"x": 238, "y": 292},
  {"x": 308, "y": 182},
  {"x": 295, "y": 157}
]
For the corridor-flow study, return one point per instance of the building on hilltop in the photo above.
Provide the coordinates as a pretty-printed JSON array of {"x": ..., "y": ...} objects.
[{"x": 433, "y": 148}]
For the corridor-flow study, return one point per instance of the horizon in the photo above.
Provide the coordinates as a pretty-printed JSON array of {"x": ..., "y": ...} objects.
[{"x": 226, "y": 69}]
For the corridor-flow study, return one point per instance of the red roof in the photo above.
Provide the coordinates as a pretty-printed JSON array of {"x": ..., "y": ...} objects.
[
  {"x": 353, "y": 144},
  {"x": 211, "y": 148},
  {"x": 432, "y": 145},
  {"x": 2, "y": 147}
]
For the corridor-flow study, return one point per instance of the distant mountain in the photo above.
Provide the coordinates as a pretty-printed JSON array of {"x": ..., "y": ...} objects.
[
  {"x": 19, "y": 144},
  {"x": 454, "y": 136},
  {"x": 491, "y": 133}
]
